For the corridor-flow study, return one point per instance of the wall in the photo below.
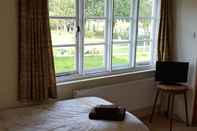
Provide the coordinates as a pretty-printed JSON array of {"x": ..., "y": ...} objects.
[
  {"x": 185, "y": 48},
  {"x": 66, "y": 89},
  {"x": 134, "y": 95},
  {"x": 134, "y": 91},
  {"x": 8, "y": 53}
]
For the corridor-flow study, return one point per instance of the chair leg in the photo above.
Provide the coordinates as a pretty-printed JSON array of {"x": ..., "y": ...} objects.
[
  {"x": 154, "y": 106},
  {"x": 172, "y": 111},
  {"x": 168, "y": 108},
  {"x": 186, "y": 109}
]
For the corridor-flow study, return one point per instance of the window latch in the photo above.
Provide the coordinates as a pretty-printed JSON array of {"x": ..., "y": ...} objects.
[{"x": 78, "y": 28}]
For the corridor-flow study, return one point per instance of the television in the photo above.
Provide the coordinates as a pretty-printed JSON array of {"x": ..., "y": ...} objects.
[{"x": 172, "y": 72}]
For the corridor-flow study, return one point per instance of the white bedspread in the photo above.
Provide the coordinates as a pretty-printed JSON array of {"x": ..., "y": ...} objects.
[{"x": 69, "y": 115}]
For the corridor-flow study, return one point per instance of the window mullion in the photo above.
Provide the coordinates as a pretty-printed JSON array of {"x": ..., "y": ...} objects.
[
  {"x": 106, "y": 34},
  {"x": 130, "y": 35},
  {"x": 70, "y": 45},
  {"x": 77, "y": 36},
  {"x": 62, "y": 17},
  {"x": 135, "y": 32},
  {"x": 109, "y": 33},
  {"x": 153, "y": 30},
  {"x": 156, "y": 14},
  {"x": 81, "y": 35}
]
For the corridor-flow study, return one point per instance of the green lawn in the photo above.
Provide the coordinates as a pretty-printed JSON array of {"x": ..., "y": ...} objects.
[{"x": 66, "y": 64}]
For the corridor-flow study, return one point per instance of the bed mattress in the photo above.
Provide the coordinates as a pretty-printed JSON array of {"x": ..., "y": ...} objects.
[{"x": 68, "y": 115}]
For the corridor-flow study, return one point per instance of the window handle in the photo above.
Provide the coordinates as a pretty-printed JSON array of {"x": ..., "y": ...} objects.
[{"x": 78, "y": 28}]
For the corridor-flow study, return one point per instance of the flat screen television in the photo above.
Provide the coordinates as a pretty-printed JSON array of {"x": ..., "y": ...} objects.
[{"x": 172, "y": 72}]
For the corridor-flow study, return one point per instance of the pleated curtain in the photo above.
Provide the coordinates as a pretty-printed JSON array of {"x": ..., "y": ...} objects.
[
  {"x": 36, "y": 74},
  {"x": 194, "y": 119},
  {"x": 165, "y": 31}
]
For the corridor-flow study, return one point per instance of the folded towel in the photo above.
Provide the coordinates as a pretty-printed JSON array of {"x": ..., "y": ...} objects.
[
  {"x": 107, "y": 108},
  {"x": 107, "y": 112}
]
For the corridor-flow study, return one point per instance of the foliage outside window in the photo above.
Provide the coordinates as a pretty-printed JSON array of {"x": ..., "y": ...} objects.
[{"x": 102, "y": 35}]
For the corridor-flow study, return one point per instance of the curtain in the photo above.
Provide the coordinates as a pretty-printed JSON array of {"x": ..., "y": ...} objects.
[
  {"x": 165, "y": 32},
  {"x": 194, "y": 119},
  {"x": 36, "y": 68}
]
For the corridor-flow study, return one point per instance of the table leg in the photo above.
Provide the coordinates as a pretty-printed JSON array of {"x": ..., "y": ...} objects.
[
  {"x": 172, "y": 111},
  {"x": 168, "y": 108},
  {"x": 186, "y": 109},
  {"x": 154, "y": 106}
]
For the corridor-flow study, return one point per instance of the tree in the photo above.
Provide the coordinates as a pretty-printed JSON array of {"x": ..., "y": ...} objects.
[
  {"x": 145, "y": 10},
  {"x": 146, "y": 7},
  {"x": 95, "y": 7},
  {"x": 122, "y": 7},
  {"x": 62, "y": 7}
]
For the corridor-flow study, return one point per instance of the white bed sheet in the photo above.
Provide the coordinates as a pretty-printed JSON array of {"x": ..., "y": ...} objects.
[{"x": 68, "y": 115}]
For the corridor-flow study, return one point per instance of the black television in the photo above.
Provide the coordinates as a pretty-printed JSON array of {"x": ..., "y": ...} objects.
[{"x": 172, "y": 72}]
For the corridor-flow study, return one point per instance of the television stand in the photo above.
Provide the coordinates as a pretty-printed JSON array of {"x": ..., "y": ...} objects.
[
  {"x": 172, "y": 91},
  {"x": 169, "y": 84}
]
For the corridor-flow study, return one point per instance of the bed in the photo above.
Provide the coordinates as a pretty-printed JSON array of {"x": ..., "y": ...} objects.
[{"x": 68, "y": 115}]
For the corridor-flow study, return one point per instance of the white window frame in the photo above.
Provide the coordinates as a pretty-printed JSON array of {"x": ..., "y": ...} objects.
[
  {"x": 104, "y": 43},
  {"x": 80, "y": 19}
]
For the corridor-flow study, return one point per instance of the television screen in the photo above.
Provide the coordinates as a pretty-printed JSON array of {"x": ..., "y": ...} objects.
[{"x": 172, "y": 72}]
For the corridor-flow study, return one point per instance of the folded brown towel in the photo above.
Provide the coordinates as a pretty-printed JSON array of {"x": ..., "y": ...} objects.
[{"x": 107, "y": 112}]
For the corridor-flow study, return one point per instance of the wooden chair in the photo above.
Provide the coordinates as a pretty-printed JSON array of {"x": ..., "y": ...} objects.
[{"x": 172, "y": 91}]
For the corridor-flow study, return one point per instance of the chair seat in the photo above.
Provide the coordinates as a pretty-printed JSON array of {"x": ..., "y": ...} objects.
[{"x": 173, "y": 88}]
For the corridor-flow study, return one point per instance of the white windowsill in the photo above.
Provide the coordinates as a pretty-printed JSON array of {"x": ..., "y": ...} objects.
[{"x": 65, "y": 80}]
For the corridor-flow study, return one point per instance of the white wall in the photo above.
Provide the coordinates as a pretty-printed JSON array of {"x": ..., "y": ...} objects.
[
  {"x": 134, "y": 95},
  {"x": 8, "y": 53},
  {"x": 185, "y": 48}
]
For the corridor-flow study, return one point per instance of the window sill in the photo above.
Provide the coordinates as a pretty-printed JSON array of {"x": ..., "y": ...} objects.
[{"x": 74, "y": 79}]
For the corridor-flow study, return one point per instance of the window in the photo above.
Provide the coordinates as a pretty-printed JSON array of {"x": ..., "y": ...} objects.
[
  {"x": 91, "y": 36},
  {"x": 95, "y": 35},
  {"x": 146, "y": 31}
]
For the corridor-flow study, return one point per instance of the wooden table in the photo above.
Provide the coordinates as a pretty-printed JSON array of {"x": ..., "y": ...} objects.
[{"x": 172, "y": 90}]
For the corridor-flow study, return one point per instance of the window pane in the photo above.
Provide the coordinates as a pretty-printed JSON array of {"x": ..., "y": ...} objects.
[
  {"x": 121, "y": 29},
  {"x": 62, "y": 7},
  {"x": 143, "y": 51},
  {"x": 95, "y": 31},
  {"x": 145, "y": 30},
  {"x": 120, "y": 55},
  {"x": 94, "y": 57},
  {"x": 64, "y": 59},
  {"x": 122, "y": 7},
  {"x": 146, "y": 8},
  {"x": 95, "y": 8},
  {"x": 62, "y": 31}
]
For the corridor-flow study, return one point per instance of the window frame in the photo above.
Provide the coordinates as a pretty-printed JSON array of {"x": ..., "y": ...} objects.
[
  {"x": 80, "y": 19},
  {"x": 75, "y": 45},
  {"x": 155, "y": 26}
]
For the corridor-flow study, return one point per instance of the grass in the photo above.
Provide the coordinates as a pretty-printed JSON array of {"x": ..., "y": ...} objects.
[
  {"x": 67, "y": 63},
  {"x": 64, "y": 64},
  {"x": 94, "y": 61}
]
